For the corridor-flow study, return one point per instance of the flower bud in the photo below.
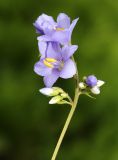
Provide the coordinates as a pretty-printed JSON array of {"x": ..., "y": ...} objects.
[
  {"x": 82, "y": 85},
  {"x": 55, "y": 100},
  {"x": 91, "y": 81},
  {"x": 64, "y": 95},
  {"x": 59, "y": 89},
  {"x": 49, "y": 91},
  {"x": 84, "y": 78}
]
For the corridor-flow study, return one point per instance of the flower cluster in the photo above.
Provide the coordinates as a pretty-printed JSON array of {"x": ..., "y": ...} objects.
[
  {"x": 55, "y": 48},
  {"x": 56, "y": 51}
]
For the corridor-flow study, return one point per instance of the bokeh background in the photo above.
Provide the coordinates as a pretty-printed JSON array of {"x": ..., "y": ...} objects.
[{"x": 29, "y": 127}]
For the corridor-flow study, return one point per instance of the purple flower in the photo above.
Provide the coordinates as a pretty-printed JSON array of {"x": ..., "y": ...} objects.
[
  {"x": 91, "y": 81},
  {"x": 50, "y": 30},
  {"x": 55, "y": 62}
]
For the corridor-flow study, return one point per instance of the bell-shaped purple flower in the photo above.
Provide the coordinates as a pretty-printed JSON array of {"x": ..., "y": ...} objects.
[
  {"x": 55, "y": 62},
  {"x": 59, "y": 31}
]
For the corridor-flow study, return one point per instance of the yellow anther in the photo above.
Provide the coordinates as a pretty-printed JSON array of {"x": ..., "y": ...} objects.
[
  {"x": 48, "y": 64},
  {"x": 60, "y": 29},
  {"x": 50, "y": 60}
]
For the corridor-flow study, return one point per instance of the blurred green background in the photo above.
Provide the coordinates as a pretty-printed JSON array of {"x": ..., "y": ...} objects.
[{"x": 29, "y": 127}]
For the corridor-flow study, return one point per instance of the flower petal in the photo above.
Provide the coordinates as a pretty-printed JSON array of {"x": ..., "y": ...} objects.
[
  {"x": 72, "y": 26},
  {"x": 51, "y": 79},
  {"x": 48, "y": 24},
  {"x": 53, "y": 50},
  {"x": 48, "y": 18},
  {"x": 69, "y": 69},
  {"x": 44, "y": 24},
  {"x": 68, "y": 51},
  {"x": 61, "y": 36},
  {"x": 41, "y": 69},
  {"x": 95, "y": 90},
  {"x": 42, "y": 48},
  {"x": 38, "y": 28},
  {"x": 44, "y": 38},
  {"x": 100, "y": 83},
  {"x": 63, "y": 21}
]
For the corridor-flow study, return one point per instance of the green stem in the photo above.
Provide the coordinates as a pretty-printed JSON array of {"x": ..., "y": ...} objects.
[
  {"x": 66, "y": 126},
  {"x": 74, "y": 105}
]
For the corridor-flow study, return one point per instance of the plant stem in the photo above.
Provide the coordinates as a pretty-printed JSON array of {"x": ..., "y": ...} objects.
[
  {"x": 66, "y": 125},
  {"x": 70, "y": 115}
]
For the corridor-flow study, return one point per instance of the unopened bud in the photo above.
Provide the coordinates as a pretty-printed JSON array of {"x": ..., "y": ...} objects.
[
  {"x": 49, "y": 91},
  {"x": 82, "y": 85},
  {"x": 55, "y": 100},
  {"x": 64, "y": 95}
]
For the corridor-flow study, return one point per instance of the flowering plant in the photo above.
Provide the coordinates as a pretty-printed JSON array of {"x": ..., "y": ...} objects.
[{"x": 57, "y": 60}]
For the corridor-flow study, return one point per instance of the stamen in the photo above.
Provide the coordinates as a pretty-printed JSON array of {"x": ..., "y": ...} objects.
[
  {"x": 53, "y": 63},
  {"x": 50, "y": 60},
  {"x": 48, "y": 64},
  {"x": 60, "y": 29}
]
